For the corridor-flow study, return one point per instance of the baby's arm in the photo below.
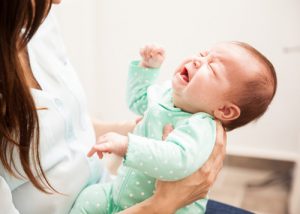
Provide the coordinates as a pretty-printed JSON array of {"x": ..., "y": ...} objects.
[
  {"x": 141, "y": 75},
  {"x": 183, "y": 152}
]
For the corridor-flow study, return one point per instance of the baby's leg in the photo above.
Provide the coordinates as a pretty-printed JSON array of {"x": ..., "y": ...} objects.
[{"x": 93, "y": 199}]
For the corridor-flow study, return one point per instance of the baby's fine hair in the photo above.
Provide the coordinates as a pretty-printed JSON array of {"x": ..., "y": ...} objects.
[{"x": 257, "y": 93}]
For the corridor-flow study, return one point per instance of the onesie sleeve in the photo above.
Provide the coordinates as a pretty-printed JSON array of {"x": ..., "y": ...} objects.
[
  {"x": 139, "y": 79},
  {"x": 6, "y": 203},
  {"x": 185, "y": 150}
]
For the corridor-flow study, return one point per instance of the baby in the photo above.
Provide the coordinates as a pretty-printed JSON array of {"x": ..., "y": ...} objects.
[{"x": 232, "y": 82}]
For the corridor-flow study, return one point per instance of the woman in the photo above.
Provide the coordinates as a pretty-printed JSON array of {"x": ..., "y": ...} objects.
[{"x": 45, "y": 130}]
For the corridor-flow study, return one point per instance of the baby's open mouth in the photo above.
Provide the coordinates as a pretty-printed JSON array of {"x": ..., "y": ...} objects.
[{"x": 185, "y": 74}]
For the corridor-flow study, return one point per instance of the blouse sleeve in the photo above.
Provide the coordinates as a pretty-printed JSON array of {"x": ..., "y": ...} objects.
[{"x": 6, "y": 203}]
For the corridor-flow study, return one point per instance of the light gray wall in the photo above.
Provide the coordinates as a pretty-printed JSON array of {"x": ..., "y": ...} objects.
[{"x": 104, "y": 36}]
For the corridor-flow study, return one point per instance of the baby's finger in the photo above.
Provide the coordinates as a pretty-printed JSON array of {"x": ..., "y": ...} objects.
[
  {"x": 100, "y": 155},
  {"x": 91, "y": 152},
  {"x": 147, "y": 51},
  {"x": 105, "y": 147},
  {"x": 152, "y": 50},
  {"x": 142, "y": 52},
  {"x": 160, "y": 51}
]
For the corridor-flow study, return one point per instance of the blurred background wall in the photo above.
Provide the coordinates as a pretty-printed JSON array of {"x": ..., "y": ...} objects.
[{"x": 103, "y": 36}]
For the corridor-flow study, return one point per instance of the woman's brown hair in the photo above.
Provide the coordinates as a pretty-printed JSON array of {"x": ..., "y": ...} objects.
[{"x": 19, "y": 126}]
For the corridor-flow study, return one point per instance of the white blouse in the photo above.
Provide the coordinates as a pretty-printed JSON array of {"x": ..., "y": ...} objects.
[{"x": 66, "y": 132}]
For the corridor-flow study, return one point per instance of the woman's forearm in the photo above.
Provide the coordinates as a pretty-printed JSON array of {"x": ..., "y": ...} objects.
[
  {"x": 102, "y": 127},
  {"x": 152, "y": 205}
]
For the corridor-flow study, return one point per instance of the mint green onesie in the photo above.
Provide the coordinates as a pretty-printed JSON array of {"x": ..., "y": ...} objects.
[{"x": 149, "y": 158}]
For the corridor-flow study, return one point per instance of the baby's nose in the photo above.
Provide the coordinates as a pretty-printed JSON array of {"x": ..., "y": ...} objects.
[{"x": 196, "y": 63}]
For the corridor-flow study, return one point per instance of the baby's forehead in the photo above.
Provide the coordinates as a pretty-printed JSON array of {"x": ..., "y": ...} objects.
[
  {"x": 227, "y": 48},
  {"x": 235, "y": 54}
]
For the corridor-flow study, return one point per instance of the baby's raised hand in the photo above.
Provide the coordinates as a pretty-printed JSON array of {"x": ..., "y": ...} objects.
[
  {"x": 110, "y": 143},
  {"x": 152, "y": 56}
]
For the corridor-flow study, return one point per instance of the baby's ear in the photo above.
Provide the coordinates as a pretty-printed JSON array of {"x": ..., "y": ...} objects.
[{"x": 227, "y": 112}]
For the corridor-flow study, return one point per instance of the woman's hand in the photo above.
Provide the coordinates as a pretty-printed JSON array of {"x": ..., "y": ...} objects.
[{"x": 181, "y": 193}]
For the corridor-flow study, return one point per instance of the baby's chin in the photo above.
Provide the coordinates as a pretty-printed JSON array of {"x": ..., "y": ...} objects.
[
  {"x": 176, "y": 100},
  {"x": 181, "y": 104}
]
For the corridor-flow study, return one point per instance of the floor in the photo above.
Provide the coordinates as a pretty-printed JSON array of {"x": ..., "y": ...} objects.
[{"x": 257, "y": 185}]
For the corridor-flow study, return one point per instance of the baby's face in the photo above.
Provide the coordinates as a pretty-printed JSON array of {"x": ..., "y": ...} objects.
[{"x": 205, "y": 81}]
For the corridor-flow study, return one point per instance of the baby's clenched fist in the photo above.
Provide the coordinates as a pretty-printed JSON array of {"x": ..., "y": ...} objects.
[{"x": 152, "y": 56}]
